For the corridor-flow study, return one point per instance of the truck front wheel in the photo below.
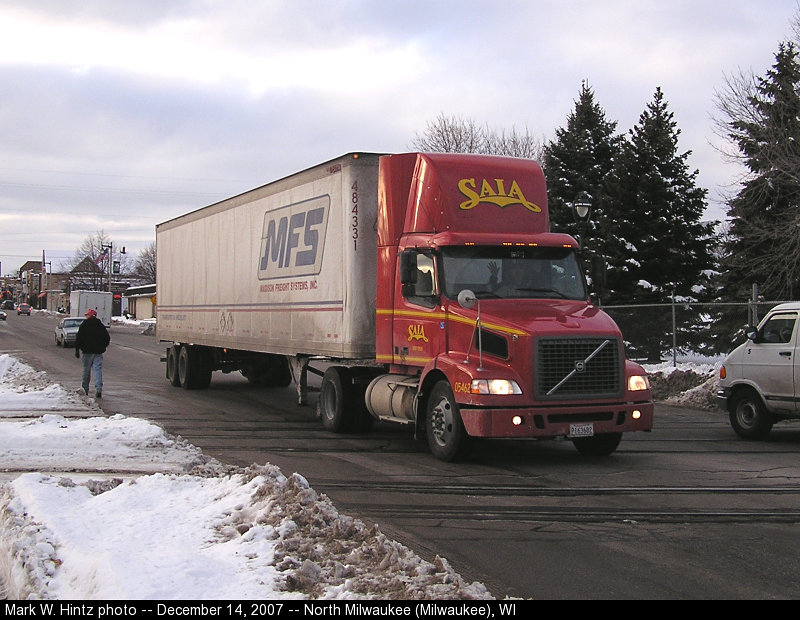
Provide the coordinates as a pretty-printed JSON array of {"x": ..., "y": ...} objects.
[
  {"x": 748, "y": 415},
  {"x": 597, "y": 445},
  {"x": 447, "y": 437}
]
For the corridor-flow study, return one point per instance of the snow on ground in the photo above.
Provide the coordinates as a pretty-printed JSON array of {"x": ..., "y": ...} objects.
[
  {"x": 690, "y": 382},
  {"x": 159, "y": 520}
]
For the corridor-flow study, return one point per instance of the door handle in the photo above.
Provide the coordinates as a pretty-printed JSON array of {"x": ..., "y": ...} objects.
[{"x": 786, "y": 353}]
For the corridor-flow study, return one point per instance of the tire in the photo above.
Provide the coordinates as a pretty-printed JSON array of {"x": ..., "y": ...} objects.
[
  {"x": 447, "y": 437},
  {"x": 172, "y": 366},
  {"x": 335, "y": 400},
  {"x": 362, "y": 420},
  {"x": 748, "y": 415},
  {"x": 194, "y": 369},
  {"x": 184, "y": 369},
  {"x": 598, "y": 445}
]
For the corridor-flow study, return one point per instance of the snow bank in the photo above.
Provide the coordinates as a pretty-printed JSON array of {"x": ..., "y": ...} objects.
[{"x": 200, "y": 531}]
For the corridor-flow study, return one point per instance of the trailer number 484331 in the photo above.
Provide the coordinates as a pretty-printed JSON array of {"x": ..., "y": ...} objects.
[
  {"x": 581, "y": 430},
  {"x": 354, "y": 215}
]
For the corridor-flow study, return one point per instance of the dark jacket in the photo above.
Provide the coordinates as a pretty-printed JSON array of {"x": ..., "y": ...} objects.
[{"x": 92, "y": 336}]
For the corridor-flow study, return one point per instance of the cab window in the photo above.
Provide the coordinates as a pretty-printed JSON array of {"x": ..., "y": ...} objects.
[
  {"x": 419, "y": 285},
  {"x": 778, "y": 328}
]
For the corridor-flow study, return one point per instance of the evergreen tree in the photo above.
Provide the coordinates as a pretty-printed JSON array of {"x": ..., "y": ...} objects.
[
  {"x": 579, "y": 160},
  {"x": 763, "y": 246},
  {"x": 655, "y": 241}
]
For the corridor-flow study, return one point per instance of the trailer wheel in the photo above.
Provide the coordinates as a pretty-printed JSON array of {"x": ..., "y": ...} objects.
[
  {"x": 172, "y": 366},
  {"x": 598, "y": 445},
  {"x": 447, "y": 437},
  {"x": 194, "y": 368},
  {"x": 749, "y": 418},
  {"x": 335, "y": 400}
]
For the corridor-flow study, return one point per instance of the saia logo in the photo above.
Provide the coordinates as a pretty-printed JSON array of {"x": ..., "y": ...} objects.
[
  {"x": 417, "y": 332},
  {"x": 293, "y": 239},
  {"x": 494, "y": 193}
]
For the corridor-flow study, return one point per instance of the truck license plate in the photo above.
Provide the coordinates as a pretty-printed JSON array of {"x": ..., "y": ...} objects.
[{"x": 581, "y": 430}]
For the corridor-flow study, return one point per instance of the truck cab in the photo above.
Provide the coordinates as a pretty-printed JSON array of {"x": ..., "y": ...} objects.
[
  {"x": 484, "y": 323},
  {"x": 759, "y": 379}
]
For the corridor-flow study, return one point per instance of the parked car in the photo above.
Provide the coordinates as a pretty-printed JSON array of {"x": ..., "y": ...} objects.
[
  {"x": 3, "y": 316},
  {"x": 7, "y": 304},
  {"x": 67, "y": 331},
  {"x": 757, "y": 380},
  {"x": 23, "y": 309}
]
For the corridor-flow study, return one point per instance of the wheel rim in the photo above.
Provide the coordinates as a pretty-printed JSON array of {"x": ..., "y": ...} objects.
[
  {"x": 747, "y": 414},
  {"x": 442, "y": 421},
  {"x": 328, "y": 398},
  {"x": 183, "y": 364},
  {"x": 171, "y": 371}
]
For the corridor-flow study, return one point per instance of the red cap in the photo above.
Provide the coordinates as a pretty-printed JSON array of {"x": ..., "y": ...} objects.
[{"x": 91, "y": 312}]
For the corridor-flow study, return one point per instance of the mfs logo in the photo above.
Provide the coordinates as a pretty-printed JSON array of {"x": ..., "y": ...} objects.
[{"x": 293, "y": 239}]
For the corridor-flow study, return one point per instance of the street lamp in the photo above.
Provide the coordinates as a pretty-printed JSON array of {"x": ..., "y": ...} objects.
[
  {"x": 581, "y": 209},
  {"x": 108, "y": 251}
]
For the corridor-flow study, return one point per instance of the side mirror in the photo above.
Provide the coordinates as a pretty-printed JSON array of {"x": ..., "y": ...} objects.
[
  {"x": 599, "y": 270},
  {"x": 467, "y": 299},
  {"x": 751, "y": 333}
]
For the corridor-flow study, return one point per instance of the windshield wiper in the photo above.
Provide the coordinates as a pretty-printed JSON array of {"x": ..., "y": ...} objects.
[{"x": 543, "y": 290}]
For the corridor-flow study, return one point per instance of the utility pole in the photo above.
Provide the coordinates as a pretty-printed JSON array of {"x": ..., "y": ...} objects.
[{"x": 110, "y": 249}]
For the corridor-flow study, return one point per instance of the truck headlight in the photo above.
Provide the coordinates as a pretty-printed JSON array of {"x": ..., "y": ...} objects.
[
  {"x": 494, "y": 386},
  {"x": 637, "y": 383}
]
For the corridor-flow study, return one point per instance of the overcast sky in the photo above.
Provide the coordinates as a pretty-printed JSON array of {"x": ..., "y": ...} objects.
[{"x": 116, "y": 115}]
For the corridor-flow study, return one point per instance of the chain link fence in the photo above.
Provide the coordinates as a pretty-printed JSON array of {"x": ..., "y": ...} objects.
[{"x": 656, "y": 333}]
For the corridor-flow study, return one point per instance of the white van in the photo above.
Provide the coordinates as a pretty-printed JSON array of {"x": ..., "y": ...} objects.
[{"x": 759, "y": 380}]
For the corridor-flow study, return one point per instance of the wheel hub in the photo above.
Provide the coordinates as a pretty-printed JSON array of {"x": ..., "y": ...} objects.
[{"x": 442, "y": 421}]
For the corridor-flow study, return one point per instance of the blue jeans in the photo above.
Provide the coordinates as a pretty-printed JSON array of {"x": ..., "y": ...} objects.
[{"x": 92, "y": 362}]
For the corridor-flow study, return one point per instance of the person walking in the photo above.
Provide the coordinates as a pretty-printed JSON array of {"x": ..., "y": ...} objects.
[{"x": 92, "y": 341}]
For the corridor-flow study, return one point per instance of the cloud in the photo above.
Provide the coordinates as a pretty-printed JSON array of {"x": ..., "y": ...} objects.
[{"x": 120, "y": 115}]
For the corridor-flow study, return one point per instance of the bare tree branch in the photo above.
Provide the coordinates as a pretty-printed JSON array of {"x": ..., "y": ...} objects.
[{"x": 453, "y": 134}]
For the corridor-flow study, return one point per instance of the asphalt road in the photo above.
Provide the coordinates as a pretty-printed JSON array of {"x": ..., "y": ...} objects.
[{"x": 688, "y": 511}]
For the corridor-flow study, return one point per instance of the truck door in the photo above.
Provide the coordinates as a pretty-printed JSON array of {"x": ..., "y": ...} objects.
[
  {"x": 772, "y": 361},
  {"x": 417, "y": 332}
]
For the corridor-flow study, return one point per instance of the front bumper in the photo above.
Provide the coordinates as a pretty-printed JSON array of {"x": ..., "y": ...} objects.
[
  {"x": 722, "y": 398},
  {"x": 547, "y": 422}
]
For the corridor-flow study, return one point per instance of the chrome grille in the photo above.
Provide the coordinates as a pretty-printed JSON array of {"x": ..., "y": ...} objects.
[{"x": 578, "y": 367}]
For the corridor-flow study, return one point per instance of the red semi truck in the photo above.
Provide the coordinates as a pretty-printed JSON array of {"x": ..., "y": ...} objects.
[{"x": 425, "y": 289}]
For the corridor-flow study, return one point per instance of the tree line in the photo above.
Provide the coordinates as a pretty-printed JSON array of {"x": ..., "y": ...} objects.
[
  {"x": 647, "y": 217},
  {"x": 98, "y": 249}
]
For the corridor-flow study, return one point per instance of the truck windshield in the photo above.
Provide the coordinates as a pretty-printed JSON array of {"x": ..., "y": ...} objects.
[{"x": 512, "y": 272}]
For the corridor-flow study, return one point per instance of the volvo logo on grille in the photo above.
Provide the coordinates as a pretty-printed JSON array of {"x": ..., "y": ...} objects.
[{"x": 579, "y": 366}]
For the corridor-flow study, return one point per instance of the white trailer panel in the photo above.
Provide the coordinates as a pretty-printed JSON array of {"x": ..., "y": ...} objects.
[
  {"x": 286, "y": 268},
  {"x": 81, "y": 301}
]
